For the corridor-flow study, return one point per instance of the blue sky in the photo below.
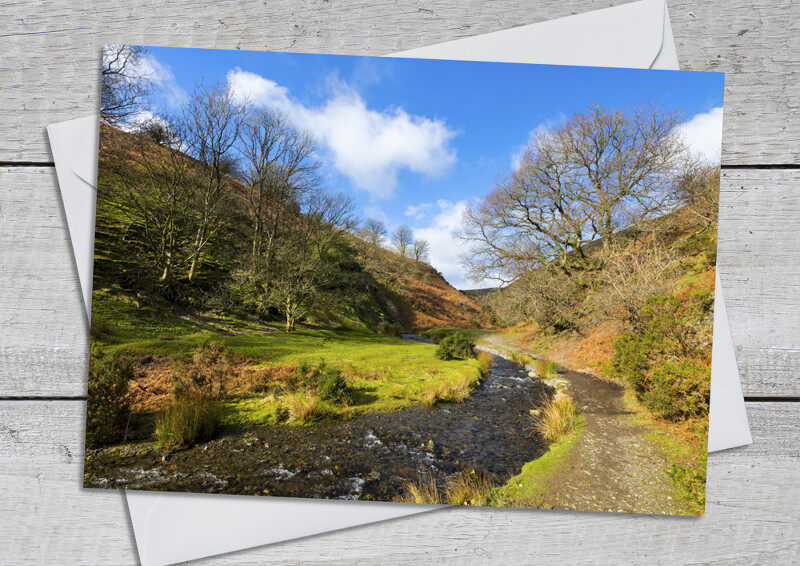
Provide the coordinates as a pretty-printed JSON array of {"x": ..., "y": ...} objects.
[{"x": 414, "y": 141}]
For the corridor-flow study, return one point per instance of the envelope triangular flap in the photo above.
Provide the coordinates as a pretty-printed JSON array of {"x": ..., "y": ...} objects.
[{"x": 630, "y": 36}]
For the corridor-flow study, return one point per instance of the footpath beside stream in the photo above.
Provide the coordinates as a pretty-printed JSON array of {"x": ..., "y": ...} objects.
[{"x": 612, "y": 466}]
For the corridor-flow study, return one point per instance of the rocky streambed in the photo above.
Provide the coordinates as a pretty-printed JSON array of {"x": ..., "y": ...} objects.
[{"x": 369, "y": 457}]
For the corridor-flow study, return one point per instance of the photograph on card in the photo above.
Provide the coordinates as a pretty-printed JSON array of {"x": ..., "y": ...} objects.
[{"x": 405, "y": 280}]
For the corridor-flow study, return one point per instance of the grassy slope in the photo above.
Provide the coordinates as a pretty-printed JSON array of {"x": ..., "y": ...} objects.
[
  {"x": 383, "y": 372},
  {"x": 414, "y": 294}
]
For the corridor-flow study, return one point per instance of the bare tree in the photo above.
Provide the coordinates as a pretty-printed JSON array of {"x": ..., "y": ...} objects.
[
  {"x": 159, "y": 196},
  {"x": 373, "y": 231},
  {"x": 279, "y": 170},
  {"x": 211, "y": 121},
  {"x": 402, "y": 237},
  {"x": 601, "y": 170},
  {"x": 420, "y": 248},
  {"x": 304, "y": 260},
  {"x": 697, "y": 187},
  {"x": 125, "y": 83},
  {"x": 631, "y": 278}
]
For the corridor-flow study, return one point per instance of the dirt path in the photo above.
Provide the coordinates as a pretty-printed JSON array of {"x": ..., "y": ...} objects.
[{"x": 612, "y": 467}]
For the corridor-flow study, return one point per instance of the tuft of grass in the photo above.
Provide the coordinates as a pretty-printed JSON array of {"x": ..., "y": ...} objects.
[
  {"x": 188, "y": 420},
  {"x": 469, "y": 487},
  {"x": 425, "y": 490},
  {"x": 556, "y": 418},
  {"x": 454, "y": 391},
  {"x": 484, "y": 361},
  {"x": 302, "y": 408},
  {"x": 545, "y": 368}
]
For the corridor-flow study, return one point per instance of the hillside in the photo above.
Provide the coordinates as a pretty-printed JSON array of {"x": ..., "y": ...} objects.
[{"x": 372, "y": 287}]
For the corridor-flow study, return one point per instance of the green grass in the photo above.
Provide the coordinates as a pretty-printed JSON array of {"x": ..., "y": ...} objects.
[
  {"x": 529, "y": 487},
  {"x": 383, "y": 373}
]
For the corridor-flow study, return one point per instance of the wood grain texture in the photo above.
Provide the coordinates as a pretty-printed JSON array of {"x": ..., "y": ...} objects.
[
  {"x": 749, "y": 519},
  {"x": 50, "y": 51},
  {"x": 44, "y": 350}
]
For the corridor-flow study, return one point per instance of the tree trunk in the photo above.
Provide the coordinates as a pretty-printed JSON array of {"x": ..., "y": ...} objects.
[{"x": 289, "y": 315}]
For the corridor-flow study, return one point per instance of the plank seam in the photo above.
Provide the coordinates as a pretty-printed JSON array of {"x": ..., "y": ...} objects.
[
  {"x": 27, "y": 164},
  {"x": 767, "y": 166},
  {"x": 747, "y": 398}
]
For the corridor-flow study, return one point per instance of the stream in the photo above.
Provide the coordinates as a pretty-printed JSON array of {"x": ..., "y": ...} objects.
[{"x": 369, "y": 457}]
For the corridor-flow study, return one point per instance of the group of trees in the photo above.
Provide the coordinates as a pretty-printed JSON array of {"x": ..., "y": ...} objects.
[
  {"x": 556, "y": 226},
  {"x": 223, "y": 190},
  {"x": 402, "y": 240},
  {"x": 226, "y": 198}
]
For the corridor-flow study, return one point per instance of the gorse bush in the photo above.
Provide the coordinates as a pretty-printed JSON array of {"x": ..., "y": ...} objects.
[
  {"x": 187, "y": 420},
  {"x": 107, "y": 406},
  {"x": 328, "y": 382},
  {"x": 333, "y": 386},
  {"x": 679, "y": 391},
  {"x": 645, "y": 358},
  {"x": 455, "y": 346}
]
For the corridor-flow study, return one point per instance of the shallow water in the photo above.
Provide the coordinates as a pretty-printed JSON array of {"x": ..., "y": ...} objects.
[{"x": 369, "y": 457}]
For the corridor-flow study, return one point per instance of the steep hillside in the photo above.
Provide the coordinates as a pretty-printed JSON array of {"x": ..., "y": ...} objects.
[
  {"x": 375, "y": 287},
  {"x": 415, "y": 295}
]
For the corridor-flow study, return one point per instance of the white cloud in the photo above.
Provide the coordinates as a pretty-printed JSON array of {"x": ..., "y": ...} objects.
[
  {"x": 420, "y": 211},
  {"x": 703, "y": 133},
  {"x": 445, "y": 249},
  {"x": 365, "y": 145},
  {"x": 162, "y": 77},
  {"x": 519, "y": 151}
]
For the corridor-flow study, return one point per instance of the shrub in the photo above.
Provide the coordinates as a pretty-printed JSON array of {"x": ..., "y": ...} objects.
[
  {"x": 455, "y": 346},
  {"x": 485, "y": 361},
  {"x": 679, "y": 391},
  {"x": 645, "y": 358},
  {"x": 107, "y": 406},
  {"x": 333, "y": 386},
  {"x": 389, "y": 328},
  {"x": 556, "y": 418},
  {"x": 211, "y": 368},
  {"x": 189, "y": 419},
  {"x": 302, "y": 408}
]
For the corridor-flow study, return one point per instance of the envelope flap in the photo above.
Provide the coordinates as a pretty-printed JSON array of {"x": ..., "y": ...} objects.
[
  {"x": 77, "y": 142},
  {"x": 624, "y": 36}
]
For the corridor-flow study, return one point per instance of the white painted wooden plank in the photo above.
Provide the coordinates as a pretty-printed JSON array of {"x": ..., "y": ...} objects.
[
  {"x": 44, "y": 347},
  {"x": 759, "y": 263},
  {"x": 49, "y": 52},
  {"x": 752, "y": 516}
]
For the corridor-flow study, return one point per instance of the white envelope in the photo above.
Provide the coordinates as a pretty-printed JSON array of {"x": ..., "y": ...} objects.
[{"x": 174, "y": 527}]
